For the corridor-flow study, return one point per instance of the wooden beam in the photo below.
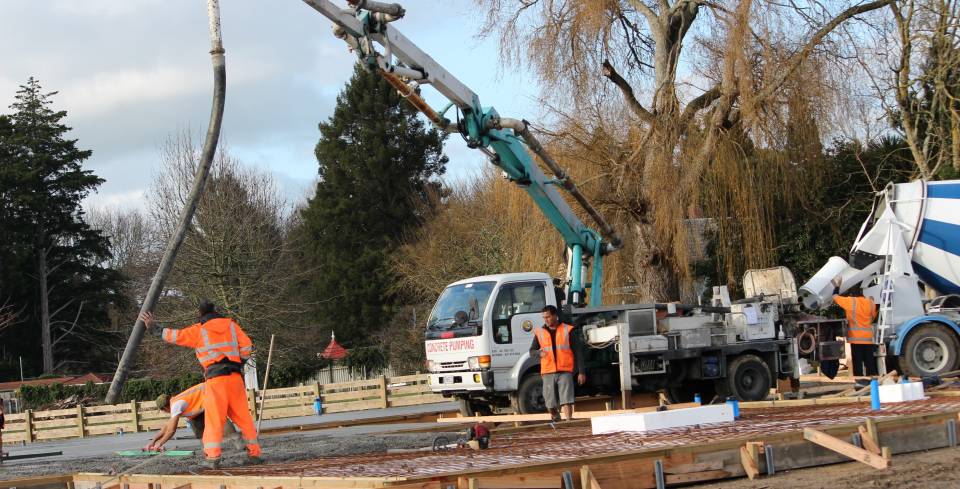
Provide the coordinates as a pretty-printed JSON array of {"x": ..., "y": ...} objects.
[
  {"x": 36, "y": 481},
  {"x": 693, "y": 467},
  {"x": 845, "y": 449},
  {"x": 587, "y": 479},
  {"x": 868, "y": 442},
  {"x": 749, "y": 464},
  {"x": 515, "y": 418},
  {"x": 707, "y": 475}
]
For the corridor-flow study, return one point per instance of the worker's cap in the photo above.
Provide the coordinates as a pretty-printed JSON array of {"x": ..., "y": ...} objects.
[
  {"x": 205, "y": 307},
  {"x": 163, "y": 401}
]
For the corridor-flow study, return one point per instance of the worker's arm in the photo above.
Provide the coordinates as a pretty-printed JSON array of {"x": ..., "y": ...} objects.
[
  {"x": 188, "y": 337},
  {"x": 845, "y": 303},
  {"x": 246, "y": 346},
  {"x": 578, "y": 354},
  {"x": 165, "y": 433},
  {"x": 535, "y": 348}
]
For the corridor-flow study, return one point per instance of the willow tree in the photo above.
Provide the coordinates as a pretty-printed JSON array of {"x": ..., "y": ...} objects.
[{"x": 693, "y": 82}]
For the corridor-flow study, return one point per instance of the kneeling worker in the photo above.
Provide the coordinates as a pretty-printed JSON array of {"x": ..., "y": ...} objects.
[
  {"x": 187, "y": 404},
  {"x": 221, "y": 348}
]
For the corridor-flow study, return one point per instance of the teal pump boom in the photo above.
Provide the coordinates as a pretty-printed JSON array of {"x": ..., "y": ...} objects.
[{"x": 507, "y": 142}]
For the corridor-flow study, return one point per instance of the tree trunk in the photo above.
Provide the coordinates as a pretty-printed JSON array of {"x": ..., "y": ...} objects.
[{"x": 47, "y": 342}]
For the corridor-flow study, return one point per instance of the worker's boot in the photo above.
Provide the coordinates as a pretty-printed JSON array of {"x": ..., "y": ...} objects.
[{"x": 210, "y": 463}]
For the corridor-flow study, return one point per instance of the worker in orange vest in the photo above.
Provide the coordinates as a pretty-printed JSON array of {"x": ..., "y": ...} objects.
[
  {"x": 861, "y": 313},
  {"x": 222, "y": 348},
  {"x": 553, "y": 344},
  {"x": 187, "y": 404}
]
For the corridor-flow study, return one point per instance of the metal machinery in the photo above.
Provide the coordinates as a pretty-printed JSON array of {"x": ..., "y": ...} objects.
[
  {"x": 367, "y": 27},
  {"x": 479, "y": 333},
  {"x": 907, "y": 249}
]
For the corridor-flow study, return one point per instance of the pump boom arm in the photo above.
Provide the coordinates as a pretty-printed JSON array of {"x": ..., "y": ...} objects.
[{"x": 506, "y": 141}]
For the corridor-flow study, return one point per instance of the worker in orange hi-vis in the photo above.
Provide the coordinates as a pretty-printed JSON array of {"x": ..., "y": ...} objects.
[{"x": 221, "y": 347}]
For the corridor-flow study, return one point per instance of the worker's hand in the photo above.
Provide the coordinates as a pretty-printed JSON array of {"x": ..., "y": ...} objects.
[
  {"x": 542, "y": 353},
  {"x": 148, "y": 320},
  {"x": 837, "y": 281},
  {"x": 581, "y": 379},
  {"x": 150, "y": 448}
]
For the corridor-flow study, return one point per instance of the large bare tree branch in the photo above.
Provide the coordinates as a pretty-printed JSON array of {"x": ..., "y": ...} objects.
[
  {"x": 798, "y": 58},
  {"x": 699, "y": 103},
  {"x": 611, "y": 73}
]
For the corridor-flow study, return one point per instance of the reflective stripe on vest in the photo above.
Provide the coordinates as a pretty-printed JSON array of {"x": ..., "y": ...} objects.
[
  {"x": 194, "y": 398},
  {"x": 860, "y": 326},
  {"x": 209, "y": 353},
  {"x": 559, "y": 357}
]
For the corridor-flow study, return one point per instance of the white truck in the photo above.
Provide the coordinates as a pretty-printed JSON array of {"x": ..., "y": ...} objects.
[{"x": 480, "y": 331}]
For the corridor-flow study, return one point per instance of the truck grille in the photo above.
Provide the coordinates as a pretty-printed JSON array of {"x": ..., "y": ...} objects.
[{"x": 452, "y": 365}]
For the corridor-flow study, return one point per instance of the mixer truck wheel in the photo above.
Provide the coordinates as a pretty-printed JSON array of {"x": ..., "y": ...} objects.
[
  {"x": 930, "y": 350},
  {"x": 529, "y": 396},
  {"x": 748, "y": 378},
  {"x": 470, "y": 408}
]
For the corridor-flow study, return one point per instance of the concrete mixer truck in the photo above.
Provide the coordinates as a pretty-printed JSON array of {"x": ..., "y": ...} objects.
[{"x": 907, "y": 259}]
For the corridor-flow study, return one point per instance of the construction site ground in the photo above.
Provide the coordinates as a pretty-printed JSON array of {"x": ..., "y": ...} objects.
[
  {"x": 934, "y": 469},
  {"x": 97, "y": 454}
]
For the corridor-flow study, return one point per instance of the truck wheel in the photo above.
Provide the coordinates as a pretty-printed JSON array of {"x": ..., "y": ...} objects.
[
  {"x": 748, "y": 378},
  {"x": 930, "y": 350},
  {"x": 529, "y": 397},
  {"x": 470, "y": 408}
]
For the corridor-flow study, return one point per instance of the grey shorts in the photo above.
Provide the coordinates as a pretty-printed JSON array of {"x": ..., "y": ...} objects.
[{"x": 558, "y": 389}]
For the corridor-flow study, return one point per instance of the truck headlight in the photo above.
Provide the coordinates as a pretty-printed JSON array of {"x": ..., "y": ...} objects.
[
  {"x": 431, "y": 366},
  {"x": 481, "y": 362}
]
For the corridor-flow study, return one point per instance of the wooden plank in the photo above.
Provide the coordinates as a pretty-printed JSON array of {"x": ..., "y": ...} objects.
[
  {"x": 410, "y": 390},
  {"x": 410, "y": 378},
  {"x": 350, "y": 385},
  {"x": 55, "y": 423},
  {"x": 519, "y": 482},
  {"x": 350, "y": 396},
  {"x": 869, "y": 444},
  {"x": 56, "y": 413},
  {"x": 844, "y": 448},
  {"x": 417, "y": 400},
  {"x": 506, "y": 418},
  {"x": 351, "y": 406},
  {"x": 693, "y": 467},
  {"x": 820, "y": 401},
  {"x": 749, "y": 465},
  {"x": 707, "y": 475},
  {"x": 111, "y": 408},
  {"x": 36, "y": 481}
]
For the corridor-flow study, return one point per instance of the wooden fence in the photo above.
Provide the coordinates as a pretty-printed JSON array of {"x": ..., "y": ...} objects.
[{"x": 382, "y": 392}]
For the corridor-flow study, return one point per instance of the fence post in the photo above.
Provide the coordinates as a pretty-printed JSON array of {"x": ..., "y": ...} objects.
[
  {"x": 252, "y": 401},
  {"x": 383, "y": 392},
  {"x": 81, "y": 429},
  {"x": 135, "y": 415},
  {"x": 28, "y": 420}
]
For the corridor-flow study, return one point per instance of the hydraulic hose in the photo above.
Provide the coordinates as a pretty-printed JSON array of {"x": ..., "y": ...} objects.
[{"x": 186, "y": 214}]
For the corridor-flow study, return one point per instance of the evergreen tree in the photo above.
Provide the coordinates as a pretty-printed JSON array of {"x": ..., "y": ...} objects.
[
  {"x": 378, "y": 163},
  {"x": 51, "y": 260}
]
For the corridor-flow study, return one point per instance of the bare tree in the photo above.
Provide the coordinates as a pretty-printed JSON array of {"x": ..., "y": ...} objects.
[
  {"x": 239, "y": 250},
  {"x": 700, "y": 81}
]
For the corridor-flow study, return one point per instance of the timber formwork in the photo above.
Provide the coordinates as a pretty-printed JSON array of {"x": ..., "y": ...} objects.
[{"x": 772, "y": 438}]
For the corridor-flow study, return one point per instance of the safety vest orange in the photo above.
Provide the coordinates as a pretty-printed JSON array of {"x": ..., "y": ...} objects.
[
  {"x": 559, "y": 357},
  {"x": 194, "y": 398},
  {"x": 212, "y": 341},
  {"x": 861, "y": 313}
]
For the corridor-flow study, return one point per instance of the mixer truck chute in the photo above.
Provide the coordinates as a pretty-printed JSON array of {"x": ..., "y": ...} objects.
[{"x": 908, "y": 246}]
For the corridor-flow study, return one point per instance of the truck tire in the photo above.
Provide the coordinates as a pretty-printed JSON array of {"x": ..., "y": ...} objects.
[
  {"x": 470, "y": 408},
  {"x": 930, "y": 350},
  {"x": 529, "y": 397},
  {"x": 748, "y": 378}
]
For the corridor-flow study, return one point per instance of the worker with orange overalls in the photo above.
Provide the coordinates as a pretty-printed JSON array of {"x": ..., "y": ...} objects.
[
  {"x": 187, "y": 404},
  {"x": 861, "y": 313},
  {"x": 222, "y": 348}
]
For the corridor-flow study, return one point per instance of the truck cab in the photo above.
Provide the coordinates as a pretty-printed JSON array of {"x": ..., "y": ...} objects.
[{"x": 479, "y": 334}]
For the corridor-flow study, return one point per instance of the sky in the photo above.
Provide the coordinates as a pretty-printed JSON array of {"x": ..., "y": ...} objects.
[{"x": 132, "y": 73}]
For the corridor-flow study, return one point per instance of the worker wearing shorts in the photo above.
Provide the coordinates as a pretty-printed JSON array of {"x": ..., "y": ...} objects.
[{"x": 553, "y": 344}]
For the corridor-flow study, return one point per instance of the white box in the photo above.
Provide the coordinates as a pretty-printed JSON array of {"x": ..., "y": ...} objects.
[
  {"x": 911, "y": 391},
  {"x": 658, "y": 420}
]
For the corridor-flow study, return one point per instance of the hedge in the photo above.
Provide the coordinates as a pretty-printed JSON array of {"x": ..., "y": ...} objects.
[{"x": 39, "y": 397}]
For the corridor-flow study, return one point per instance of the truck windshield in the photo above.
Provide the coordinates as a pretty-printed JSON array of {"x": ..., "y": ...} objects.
[{"x": 459, "y": 305}]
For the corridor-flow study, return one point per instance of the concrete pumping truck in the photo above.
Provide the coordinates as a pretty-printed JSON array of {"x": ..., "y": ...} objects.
[
  {"x": 906, "y": 258},
  {"x": 480, "y": 329}
]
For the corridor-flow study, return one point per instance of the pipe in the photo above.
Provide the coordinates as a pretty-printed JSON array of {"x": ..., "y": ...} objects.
[
  {"x": 392, "y": 9},
  {"x": 186, "y": 214},
  {"x": 415, "y": 99},
  {"x": 521, "y": 127}
]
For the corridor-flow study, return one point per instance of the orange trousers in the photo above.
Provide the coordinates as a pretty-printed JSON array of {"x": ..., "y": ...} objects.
[{"x": 225, "y": 396}]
